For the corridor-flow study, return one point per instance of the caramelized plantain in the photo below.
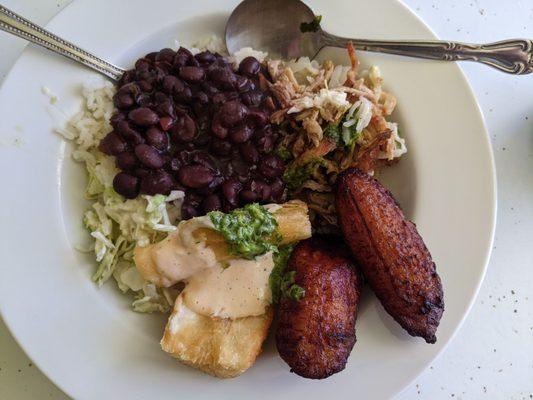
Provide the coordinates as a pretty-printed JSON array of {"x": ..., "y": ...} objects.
[
  {"x": 315, "y": 335},
  {"x": 390, "y": 253}
]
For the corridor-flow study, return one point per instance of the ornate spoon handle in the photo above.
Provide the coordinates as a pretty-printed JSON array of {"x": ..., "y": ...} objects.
[
  {"x": 15, "y": 24},
  {"x": 514, "y": 56}
]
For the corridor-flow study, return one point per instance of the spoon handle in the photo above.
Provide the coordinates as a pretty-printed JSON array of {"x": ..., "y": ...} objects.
[
  {"x": 514, "y": 56},
  {"x": 21, "y": 27}
]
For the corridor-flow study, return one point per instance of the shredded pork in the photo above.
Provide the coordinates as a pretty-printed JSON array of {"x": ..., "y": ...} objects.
[{"x": 334, "y": 114}]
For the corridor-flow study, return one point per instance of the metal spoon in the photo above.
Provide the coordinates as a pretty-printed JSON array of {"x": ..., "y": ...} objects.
[
  {"x": 19, "y": 26},
  {"x": 274, "y": 26}
]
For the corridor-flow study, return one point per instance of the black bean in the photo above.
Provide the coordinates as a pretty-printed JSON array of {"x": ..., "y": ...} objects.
[
  {"x": 249, "y": 153},
  {"x": 113, "y": 144},
  {"x": 125, "y": 130},
  {"x": 165, "y": 66},
  {"x": 205, "y": 57},
  {"x": 143, "y": 64},
  {"x": 143, "y": 117},
  {"x": 127, "y": 77},
  {"x": 239, "y": 167},
  {"x": 248, "y": 196},
  {"x": 217, "y": 128},
  {"x": 195, "y": 176},
  {"x": 201, "y": 98},
  {"x": 249, "y": 66},
  {"x": 166, "y": 109},
  {"x": 208, "y": 88},
  {"x": 145, "y": 86},
  {"x": 240, "y": 134},
  {"x": 123, "y": 101},
  {"x": 175, "y": 164},
  {"x": 151, "y": 56},
  {"x": 157, "y": 138},
  {"x": 231, "y": 96},
  {"x": 231, "y": 189},
  {"x": 271, "y": 166},
  {"x": 141, "y": 172},
  {"x": 202, "y": 139},
  {"x": 188, "y": 211},
  {"x": 144, "y": 75},
  {"x": 143, "y": 100},
  {"x": 203, "y": 158},
  {"x": 262, "y": 189},
  {"x": 257, "y": 118},
  {"x": 265, "y": 143},
  {"x": 244, "y": 84},
  {"x": 218, "y": 99},
  {"x": 157, "y": 182},
  {"x": 126, "y": 161},
  {"x": 252, "y": 98},
  {"x": 220, "y": 147},
  {"x": 211, "y": 203},
  {"x": 222, "y": 77},
  {"x": 181, "y": 60},
  {"x": 232, "y": 112},
  {"x": 165, "y": 55},
  {"x": 171, "y": 84},
  {"x": 127, "y": 185},
  {"x": 116, "y": 118},
  {"x": 149, "y": 156},
  {"x": 129, "y": 88},
  {"x": 160, "y": 97},
  {"x": 184, "y": 130},
  {"x": 277, "y": 191},
  {"x": 192, "y": 74},
  {"x": 185, "y": 95}
]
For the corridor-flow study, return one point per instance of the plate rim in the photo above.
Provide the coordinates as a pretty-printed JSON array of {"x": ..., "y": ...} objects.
[{"x": 493, "y": 206}]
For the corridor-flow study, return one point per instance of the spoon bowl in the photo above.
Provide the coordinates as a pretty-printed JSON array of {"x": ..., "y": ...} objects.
[{"x": 273, "y": 26}]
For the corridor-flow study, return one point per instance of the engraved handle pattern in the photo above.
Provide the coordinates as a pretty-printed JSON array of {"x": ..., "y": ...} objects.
[
  {"x": 21, "y": 27},
  {"x": 514, "y": 56}
]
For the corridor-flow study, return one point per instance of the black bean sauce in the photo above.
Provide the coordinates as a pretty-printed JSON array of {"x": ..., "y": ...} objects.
[{"x": 191, "y": 122}]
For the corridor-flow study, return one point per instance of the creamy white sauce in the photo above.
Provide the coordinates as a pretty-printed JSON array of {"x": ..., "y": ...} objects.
[{"x": 240, "y": 289}]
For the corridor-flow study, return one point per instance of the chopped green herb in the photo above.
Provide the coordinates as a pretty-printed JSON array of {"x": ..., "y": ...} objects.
[
  {"x": 249, "y": 231},
  {"x": 282, "y": 281},
  {"x": 296, "y": 174},
  {"x": 283, "y": 153},
  {"x": 312, "y": 26},
  {"x": 333, "y": 132},
  {"x": 343, "y": 136},
  {"x": 350, "y": 135}
]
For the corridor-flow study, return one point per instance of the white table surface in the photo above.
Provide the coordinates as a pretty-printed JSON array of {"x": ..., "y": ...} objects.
[{"x": 492, "y": 355}]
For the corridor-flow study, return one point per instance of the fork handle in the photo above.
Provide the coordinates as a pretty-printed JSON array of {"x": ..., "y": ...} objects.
[
  {"x": 514, "y": 56},
  {"x": 21, "y": 27}
]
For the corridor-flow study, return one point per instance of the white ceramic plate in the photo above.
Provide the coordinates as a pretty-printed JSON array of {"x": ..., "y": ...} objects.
[{"x": 86, "y": 339}]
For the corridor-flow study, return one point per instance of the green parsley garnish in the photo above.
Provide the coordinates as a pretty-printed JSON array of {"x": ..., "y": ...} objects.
[
  {"x": 343, "y": 136},
  {"x": 250, "y": 231},
  {"x": 312, "y": 26},
  {"x": 296, "y": 173},
  {"x": 283, "y": 153},
  {"x": 282, "y": 281}
]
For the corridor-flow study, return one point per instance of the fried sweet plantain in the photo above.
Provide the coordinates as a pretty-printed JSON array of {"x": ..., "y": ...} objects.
[
  {"x": 316, "y": 334},
  {"x": 390, "y": 253}
]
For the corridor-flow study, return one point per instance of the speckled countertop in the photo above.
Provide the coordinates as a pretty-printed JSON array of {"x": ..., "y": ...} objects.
[{"x": 492, "y": 355}]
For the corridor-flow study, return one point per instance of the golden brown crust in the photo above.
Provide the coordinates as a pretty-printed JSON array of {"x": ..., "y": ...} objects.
[
  {"x": 221, "y": 347},
  {"x": 390, "y": 253},
  {"x": 315, "y": 335}
]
